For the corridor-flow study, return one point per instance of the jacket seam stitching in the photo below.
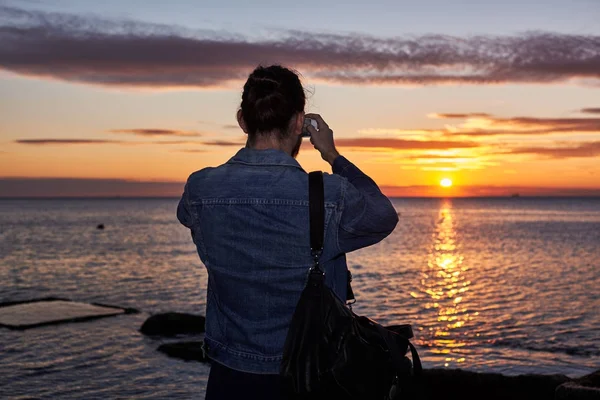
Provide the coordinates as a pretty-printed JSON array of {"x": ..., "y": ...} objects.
[
  {"x": 265, "y": 164},
  {"x": 341, "y": 208},
  {"x": 238, "y": 353}
]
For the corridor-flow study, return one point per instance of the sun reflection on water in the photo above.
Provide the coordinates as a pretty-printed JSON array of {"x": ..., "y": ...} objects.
[{"x": 446, "y": 283}]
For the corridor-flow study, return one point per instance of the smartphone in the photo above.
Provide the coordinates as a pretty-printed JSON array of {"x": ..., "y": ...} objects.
[{"x": 307, "y": 122}]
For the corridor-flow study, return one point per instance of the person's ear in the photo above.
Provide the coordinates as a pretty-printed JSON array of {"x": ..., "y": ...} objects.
[
  {"x": 299, "y": 123},
  {"x": 241, "y": 122}
]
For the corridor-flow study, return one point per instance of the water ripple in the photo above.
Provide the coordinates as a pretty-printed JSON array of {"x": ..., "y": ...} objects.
[{"x": 488, "y": 285}]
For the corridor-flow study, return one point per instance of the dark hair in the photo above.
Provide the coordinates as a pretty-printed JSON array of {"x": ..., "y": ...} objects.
[{"x": 272, "y": 95}]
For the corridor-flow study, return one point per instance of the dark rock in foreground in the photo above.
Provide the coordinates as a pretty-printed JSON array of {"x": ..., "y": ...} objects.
[
  {"x": 441, "y": 383},
  {"x": 591, "y": 380},
  {"x": 449, "y": 384},
  {"x": 437, "y": 383},
  {"x": 188, "y": 351},
  {"x": 172, "y": 324},
  {"x": 584, "y": 388}
]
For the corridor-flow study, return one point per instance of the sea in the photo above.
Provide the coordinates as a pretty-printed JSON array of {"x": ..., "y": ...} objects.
[{"x": 508, "y": 285}]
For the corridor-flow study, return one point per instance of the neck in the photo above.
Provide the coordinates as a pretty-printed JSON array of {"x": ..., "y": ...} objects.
[{"x": 263, "y": 142}]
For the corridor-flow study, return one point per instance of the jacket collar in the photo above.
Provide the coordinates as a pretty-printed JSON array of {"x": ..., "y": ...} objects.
[{"x": 271, "y": 157}]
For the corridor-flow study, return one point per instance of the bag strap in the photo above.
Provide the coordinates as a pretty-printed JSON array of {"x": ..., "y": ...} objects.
[
  {"x": 316, "y": 198},
  {"x": 396, "y": 354}
]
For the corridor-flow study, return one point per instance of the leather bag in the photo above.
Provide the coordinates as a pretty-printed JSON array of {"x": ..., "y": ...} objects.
[{"x": 330, "y": 352}]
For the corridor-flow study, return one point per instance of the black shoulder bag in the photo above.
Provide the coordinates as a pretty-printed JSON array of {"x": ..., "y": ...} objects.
[{"x": 329, "y": 351}]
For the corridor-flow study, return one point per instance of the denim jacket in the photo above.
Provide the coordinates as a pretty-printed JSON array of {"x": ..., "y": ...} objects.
[{"x": 249, "y": 220}]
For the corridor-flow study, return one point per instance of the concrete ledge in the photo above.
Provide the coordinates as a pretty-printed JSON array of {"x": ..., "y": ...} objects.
[{"x": 26, "y": 314}]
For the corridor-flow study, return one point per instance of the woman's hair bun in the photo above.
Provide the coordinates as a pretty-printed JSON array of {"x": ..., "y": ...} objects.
[{"x": 272, "y": 95}]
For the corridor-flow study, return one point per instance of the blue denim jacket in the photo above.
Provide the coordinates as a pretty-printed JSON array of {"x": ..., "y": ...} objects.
[{"x": 249, "y": 219}]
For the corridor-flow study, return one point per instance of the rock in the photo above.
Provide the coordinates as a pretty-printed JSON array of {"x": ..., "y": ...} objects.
[
  {"x": 451, "y": 384},
  {"x": 172, "y": 324},
  {"x": 573, "y": 391},
  {"x": 100, "y": 226},
  {"x": 591, "y": 380},
  {"x": 447, "y": 384},
  {"x": 188, "y": 351},
  {"x": 584, "y": 388}
]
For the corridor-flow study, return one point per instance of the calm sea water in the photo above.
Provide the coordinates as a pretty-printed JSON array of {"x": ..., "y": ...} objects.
[{"x": 503, "y": 285}]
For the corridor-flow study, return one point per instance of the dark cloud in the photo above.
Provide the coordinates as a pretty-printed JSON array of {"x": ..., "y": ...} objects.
[
  {"x": 591, "y": 110},
  {"x": 486, "y": 191},
  {"x": 66, "y": 142},
  {"x": 582, "y": 150},
  {"x": 129, "y": 53},
  {"x": 461, "y": 116},
  {"x": 367, "y": 143},
  {"x": 491, "y": 126},
  {"x": 404, "y": 144},
  {"x": 155, "y": 132},
  {"x": 223, "y": 143},
  {"x": 583, "y": 124},
  {"x": 42, "y": 142},
  {"x": 74, "y": 187}
]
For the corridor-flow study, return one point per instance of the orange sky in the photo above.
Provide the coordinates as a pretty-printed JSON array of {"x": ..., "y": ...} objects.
[{"x": 129, "y": 106}]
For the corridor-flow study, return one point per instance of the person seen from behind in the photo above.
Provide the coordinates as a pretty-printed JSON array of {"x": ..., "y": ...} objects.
[{"x": 249, "y": 220}]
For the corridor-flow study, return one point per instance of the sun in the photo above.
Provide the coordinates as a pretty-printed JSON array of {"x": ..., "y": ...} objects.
[{"x": 446, "y": 182}]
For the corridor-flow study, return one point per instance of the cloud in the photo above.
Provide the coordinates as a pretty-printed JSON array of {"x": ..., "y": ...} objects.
[
  {"x": 543, "y": 125},
  {"x": 404, "y": 144},
  {"x": 81, "y": 187},
  {"x": 486, "y": 191},
  {"x": 155, "y": 132},
  {"x": 459, "y": 116},
  {"x": 133, "y": 54},
  {"x": 582, "y": 150},
  {"x": 167, "y": 142},
  {"x": 591, "y": 110},
  {"x": 191, "y": 151},
  {"x": 232, "y": 127},
  {"x": 66, "y": 142},
  {"x": 44, "y": 142},
  {"x": 478, "y": 124},
  {"x": 482, "y": 124},
  {"x": 441, "y": 157},
  {"x": 223, "y": 143},
  {"x": 375, "y": 143},
  {"x": 440, "y": 154}
]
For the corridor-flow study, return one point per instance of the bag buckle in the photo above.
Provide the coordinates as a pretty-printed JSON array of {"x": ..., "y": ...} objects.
[{"x": 316, "y": 254}]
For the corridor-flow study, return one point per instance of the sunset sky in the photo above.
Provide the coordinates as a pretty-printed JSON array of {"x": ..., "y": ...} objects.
[{"x": 128, "y": 97}]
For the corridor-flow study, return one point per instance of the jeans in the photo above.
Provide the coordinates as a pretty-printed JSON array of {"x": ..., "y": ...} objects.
[{"x": 228, "y": 384}]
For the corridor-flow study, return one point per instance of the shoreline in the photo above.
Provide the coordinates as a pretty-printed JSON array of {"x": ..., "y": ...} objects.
[{"x": 460, "y": 384}]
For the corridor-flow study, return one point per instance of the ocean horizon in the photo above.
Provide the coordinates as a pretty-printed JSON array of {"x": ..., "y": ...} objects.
[{"x": 519, "y": 196}]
